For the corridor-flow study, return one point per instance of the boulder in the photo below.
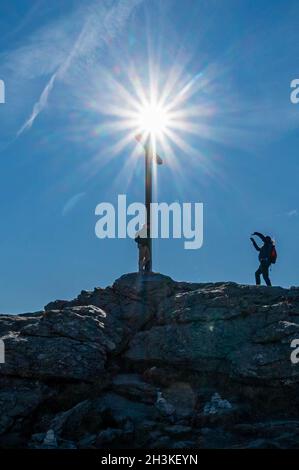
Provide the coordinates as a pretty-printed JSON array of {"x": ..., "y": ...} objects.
[
  {"x": 133, "y": 387},
  {"x": 150, "y": 362},
  {"x": 69, "y": 344},
  {"x": 240, "y": 332}
]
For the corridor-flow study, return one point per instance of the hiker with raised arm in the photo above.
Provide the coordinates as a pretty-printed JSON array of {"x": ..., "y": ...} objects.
[{"x": 267, "y": 256}]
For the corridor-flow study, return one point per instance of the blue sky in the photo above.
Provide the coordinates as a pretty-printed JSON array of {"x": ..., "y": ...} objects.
[{"x": 61, "y": 62}]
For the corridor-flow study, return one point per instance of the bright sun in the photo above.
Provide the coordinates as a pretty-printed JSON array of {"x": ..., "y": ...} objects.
[
  {"x": 165, "y": 111},
  {"x": 153, "y": 119}
]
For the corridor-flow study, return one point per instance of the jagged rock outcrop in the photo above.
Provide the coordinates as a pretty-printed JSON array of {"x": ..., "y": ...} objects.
[{"x": 104, "y": 368}]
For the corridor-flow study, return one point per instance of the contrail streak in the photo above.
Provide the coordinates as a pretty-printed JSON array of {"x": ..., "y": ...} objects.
[
  {"x": 39, "y": 106},
  {"x": 90, "y": 38}
]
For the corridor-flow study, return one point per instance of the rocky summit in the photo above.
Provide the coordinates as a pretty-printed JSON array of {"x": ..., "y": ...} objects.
[{"x": 153, "y": 363}]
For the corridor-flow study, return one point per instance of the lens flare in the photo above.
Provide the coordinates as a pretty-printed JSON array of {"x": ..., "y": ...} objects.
[
  {"x": 153, "y": 119},
  {"x": 164, "y": 106}
]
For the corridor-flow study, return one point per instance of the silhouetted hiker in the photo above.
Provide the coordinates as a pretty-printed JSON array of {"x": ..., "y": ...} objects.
[
  {"x": 144, "y": 253},
  {"x": 267, "y": 256}
]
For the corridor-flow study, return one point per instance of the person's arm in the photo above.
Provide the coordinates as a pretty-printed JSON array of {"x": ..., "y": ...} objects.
[
  {"x": 261, "y": 236},
  {"x": 145, "y": 143},
  {"x": 255, "y": 244},
  {"x": 159, "y": 160}
]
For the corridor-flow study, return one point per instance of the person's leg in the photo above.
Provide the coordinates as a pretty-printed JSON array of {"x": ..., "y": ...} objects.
[
  {"x": 265, "y": 273},
  {"x": 141, "y": 257},
  {"x": 258, "y": 276},
  {"x": 146, "y": 257}
]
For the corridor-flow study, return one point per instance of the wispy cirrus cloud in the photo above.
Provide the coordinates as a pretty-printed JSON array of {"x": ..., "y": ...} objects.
[
  {"x": 68, "y": 46},
  {"x": 39, "y": 105},
  {"x": 72, "y": 202},
  {"x": 292, "y": 213}
]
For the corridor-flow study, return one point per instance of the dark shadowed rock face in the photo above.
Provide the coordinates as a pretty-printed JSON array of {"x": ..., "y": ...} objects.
[{"x": 150, "y": 362}]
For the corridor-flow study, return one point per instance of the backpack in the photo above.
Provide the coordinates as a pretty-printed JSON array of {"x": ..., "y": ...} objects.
[{"x": 273, "y": 254}]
